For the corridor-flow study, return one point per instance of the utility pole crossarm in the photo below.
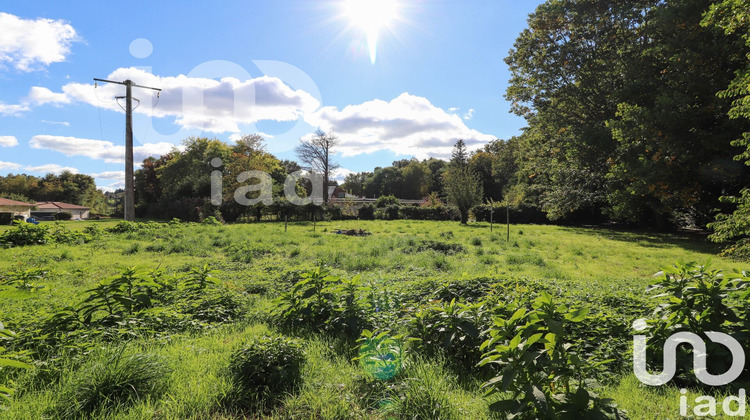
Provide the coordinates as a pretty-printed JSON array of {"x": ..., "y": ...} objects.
[
  {"x": 129, "y": 207},
  {"x": 126, "y": 82}
]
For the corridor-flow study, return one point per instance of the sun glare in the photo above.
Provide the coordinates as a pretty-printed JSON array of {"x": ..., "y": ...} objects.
[{"x": 371, "y": 16}]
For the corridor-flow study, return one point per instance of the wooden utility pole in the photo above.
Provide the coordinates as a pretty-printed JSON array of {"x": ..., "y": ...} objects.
[{"x": 129, "y": 208}]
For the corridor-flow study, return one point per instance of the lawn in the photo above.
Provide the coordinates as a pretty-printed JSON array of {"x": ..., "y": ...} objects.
[{"x": 402, "y": 266}]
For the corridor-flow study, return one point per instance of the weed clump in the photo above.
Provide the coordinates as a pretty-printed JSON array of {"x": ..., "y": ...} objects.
[
  {"x": 115, "y": 380},
  {"x": 265, "y": 369}
]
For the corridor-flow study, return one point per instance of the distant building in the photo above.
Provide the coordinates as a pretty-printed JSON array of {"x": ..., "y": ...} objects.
[
  {"x": 15, "y": 208},
  {"x": 50, "y": 208},
  {"x": 336, "y": 193}
]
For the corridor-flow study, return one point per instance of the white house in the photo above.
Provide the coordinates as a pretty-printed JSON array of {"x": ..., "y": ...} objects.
[
  {"x": 15, "y": 208},
  {"x": 50, "y": 208}
]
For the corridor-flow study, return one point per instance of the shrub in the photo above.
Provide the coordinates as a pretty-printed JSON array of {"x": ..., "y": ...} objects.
[
  {"x": 542, "y": 373},
  {"x": 452, "y": 329},
  {"x": 6, "y": 218},
  {"x": 695, "y": 298},
  {"x": 429, "y": 213},
  {"x": 521, "y": 214},
  {"x": 266, "y": 368},
  {"x": 212, "y": 221},
  {"x": 323, "y": 302},
  {"x": 115, "y": 379},
  {"x": 387, "y": 200},
  {"x": 25, "y": 234},
  {"x": 63, "y": 215},
  {"x": 391, "y": 212},
  {"x": 367, "y": 212}
]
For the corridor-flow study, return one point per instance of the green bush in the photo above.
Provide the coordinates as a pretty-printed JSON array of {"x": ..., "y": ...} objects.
[
  {"x": 25, "y": 234},
  {"x": 211, "y": 220},
  {"x": 387, "y": 200},
  {"x": 392, "y": 212},
  {"x": 543, "y": 373},
  {"x": 522, "y": 214},
  {"x": 63, "y": 215},
  {"x": 323, "y": 302},
  {"x": 698, "y": 299},
  {"x": 112, "y": 380},
  {"x": 366, "y": 212},
  {"x": 265, "y": 369},
  {"x": 452, "y": 329},
  {"x": 429, "y": 213}
]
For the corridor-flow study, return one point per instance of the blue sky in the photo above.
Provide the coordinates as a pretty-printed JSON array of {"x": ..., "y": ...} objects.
[{"x": 282, "y": 68}]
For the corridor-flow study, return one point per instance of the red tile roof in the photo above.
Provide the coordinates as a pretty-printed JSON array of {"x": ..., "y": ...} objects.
[
  {"x": 7, "y": 202},
  {"x": 58, "y": 205}
]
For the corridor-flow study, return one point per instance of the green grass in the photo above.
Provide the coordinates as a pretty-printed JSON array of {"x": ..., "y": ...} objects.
[{"x": 262, "y": 258}]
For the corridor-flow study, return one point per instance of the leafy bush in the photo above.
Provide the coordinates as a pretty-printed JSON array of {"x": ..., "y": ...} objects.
[
  {"x": 265, "y": 369},
  {"x": 429, "y": 213},
  {"x": 115, "y": 379},
  {"x": 366, "y": 212},
  {"x": 518, "y": 214},
  {"x": 211, "y": 220},
  {"x": 391, "y": 212},
  {"x": 23, "y": 234},
  {"x": 63, "y": 215},
  {"x": 387, "y": 200},
  {"x": 323, "y": 302},
  {"x": 451, "y": 329},
  {"x": 545, "y": 374},
  {"x": 699, "y": 299}
]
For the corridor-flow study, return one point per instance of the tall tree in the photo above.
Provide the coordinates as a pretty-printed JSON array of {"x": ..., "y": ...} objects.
[
  {"x": 317, "y": 154},
  {"x": 733, "y": 17},
  {"x": 463, "y": 187}
]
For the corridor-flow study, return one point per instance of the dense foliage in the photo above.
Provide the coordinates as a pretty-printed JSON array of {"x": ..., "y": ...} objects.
[{"x": 68, "y": 187}]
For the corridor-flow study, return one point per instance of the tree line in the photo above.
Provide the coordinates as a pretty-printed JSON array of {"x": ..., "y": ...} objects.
[{"x": 67, "y": 187}]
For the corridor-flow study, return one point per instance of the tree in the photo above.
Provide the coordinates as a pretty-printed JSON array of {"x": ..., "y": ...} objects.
[
  {"x": 732, "y": 17},
  {"x": 462, "y": 186},
  {"x": 316, "y": 152},
  {"x": 619, "y": 98}
]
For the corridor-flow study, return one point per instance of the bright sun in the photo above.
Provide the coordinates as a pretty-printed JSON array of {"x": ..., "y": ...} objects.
[{"x": 371, "y": 16}]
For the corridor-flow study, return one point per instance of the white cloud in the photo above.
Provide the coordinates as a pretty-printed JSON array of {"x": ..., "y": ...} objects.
[
  {"x": 51, "y": 168},
  {"x": 407, "y": 125},
  {"x": 41, "y": 95},
  {"x": 340, "y": 173},
  {"x": 206, "y": 104},
  {"x": 453, "y": 109},
  {"x": 97, "y": 149},
  {"x": 8, "y": 165},
  {"x": 116, "y": 175},
  {"x": 13, "y": 110},
  {"x": 8, "y": 141},
  {"x": 28, "y": 45},
  {"x": 65, "y": 123},
  {"x": 469, "y": 114}
]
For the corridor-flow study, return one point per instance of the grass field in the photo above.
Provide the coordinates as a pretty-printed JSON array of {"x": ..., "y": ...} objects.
[{"x": 259, "y": 262}]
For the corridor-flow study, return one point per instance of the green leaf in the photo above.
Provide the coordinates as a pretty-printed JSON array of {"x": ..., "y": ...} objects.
[
  {"x": 581, "y": 399},
  {"x": 14, "y": 363}
]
